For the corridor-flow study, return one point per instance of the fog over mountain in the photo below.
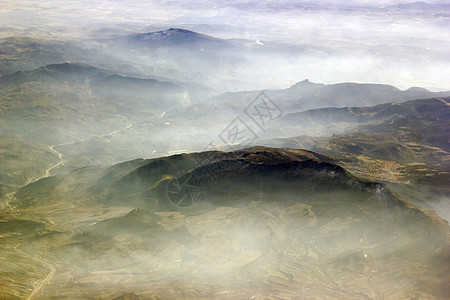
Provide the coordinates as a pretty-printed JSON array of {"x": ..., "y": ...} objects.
[
  {"x": 395, "y": 42},
  {"x": 224, "y": 149}
]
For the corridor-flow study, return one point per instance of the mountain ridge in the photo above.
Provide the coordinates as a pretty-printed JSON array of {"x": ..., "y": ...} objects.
[
  {"x": 53, "y": 72},
  {"x": 149, "y": 177},
  {"x": 308, "y": 95}
]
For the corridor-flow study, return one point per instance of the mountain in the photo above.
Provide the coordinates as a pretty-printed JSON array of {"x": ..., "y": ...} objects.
[
  {"x": 431, "y": 117},
  {"x": 94, "y": 116},
  {"x": 74, "y": 103},
  {"x": 259, "y": 221},
  {"x": 179, "y": 42},
  {"x": 27, "y": 54},
  {"x": 55, "y": 103},
  {"x": 423, "y": 121},
  {"x": 303, "y": 96},
  {"x": 78, "y": 73},
  {"x": 174, "y": 37},
  {"x": 290, "y": 103},
  {"x": 436, "y": 7},
  {"x": 306, "y": 95},
  {"x": 404, "y": 145},
  {"x": 182, "y": 55},
  {"x": 102, "y": 79},
  {"x": 393, "y": 131}
]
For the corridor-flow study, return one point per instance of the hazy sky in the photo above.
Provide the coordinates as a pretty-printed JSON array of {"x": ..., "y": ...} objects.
[{"x": 365, "y": 41}]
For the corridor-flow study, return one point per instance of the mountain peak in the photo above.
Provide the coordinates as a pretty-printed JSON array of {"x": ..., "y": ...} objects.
[
  {"x": 303, "y": 83},
  {"x": 172, "y": 29},
  {"x": 184, "y": 38},
  {"x": 172, "y": 35},
  {"x": 417, "y": 89}
]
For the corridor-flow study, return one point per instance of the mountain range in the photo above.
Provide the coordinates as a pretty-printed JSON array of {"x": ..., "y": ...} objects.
[
  {"x": 147, "y": 160},
  {"x": 78, "y": 108}
]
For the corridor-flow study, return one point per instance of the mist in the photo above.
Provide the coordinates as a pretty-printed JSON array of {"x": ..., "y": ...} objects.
[
  {"x": 270, "y": 234},
  {"x": 224, "y": 150},
  {"x": 332, "y": 41}
]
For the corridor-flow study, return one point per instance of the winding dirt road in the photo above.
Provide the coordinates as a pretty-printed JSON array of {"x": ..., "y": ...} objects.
[
  {"x": 40, "y": 283},
  {"x": 11, "y": 196},
  {"x": 60, "y": 162}
]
